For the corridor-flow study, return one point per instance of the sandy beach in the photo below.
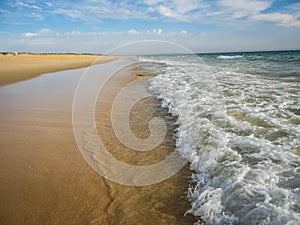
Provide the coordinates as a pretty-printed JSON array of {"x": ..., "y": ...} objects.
[
  {"x": 20, "y": 67},
  {"x": 44, "y": 178}
]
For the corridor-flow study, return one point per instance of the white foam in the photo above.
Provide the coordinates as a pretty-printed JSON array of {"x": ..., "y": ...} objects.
[
  {"x": 245, "y": 169},
  {"x": 230, "y": 56}
]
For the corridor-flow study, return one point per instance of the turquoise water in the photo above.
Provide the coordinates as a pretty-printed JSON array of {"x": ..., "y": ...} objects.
[{"x": 238, "y": 117}]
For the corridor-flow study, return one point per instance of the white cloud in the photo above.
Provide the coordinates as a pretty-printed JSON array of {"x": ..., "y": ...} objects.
[
  {"x": 183, "y": 32},
  {"x": 180, "y": 6},
  {"x": 49, "y": 4},
  {"x": 132, "y": 31},
  {"x": 152, "y": 2},
  {"x": 76, "y": 33},
  {"x": 295, "y": 9},
  {"x": 295, "y": 6},
  {"x": 171, "y": 14},
  {"x": 29, "y": 34},
  {"x": 72, "y": 33},
  {"x": 199, "y": 11},
  {"x": 157, "y": 31},
  {"x": 187, "y": 10},
  {"x": 253, "y": 10},
  {"x": 167, "y": 12},
  {"x": 251, "y": 6},
  {"x": 73, "y": 13},
  {"x": 188, "y": 5},
  {"x": 243, "y": 8},
  {"x": 100, "y": 42},
  {"x": 45, "y": 31},
  {"x": 108, "y": 9},
  {"x": 280, "y": 18},
  {"x": 22, "y": 4}
]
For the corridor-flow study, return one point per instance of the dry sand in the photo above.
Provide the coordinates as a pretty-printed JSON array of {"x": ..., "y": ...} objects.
[
  {"x": 26, "y": 66},
  {"x": 45, "y": 180}
]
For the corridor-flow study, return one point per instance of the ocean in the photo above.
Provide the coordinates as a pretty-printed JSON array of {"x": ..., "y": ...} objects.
[{"x": 238, "y": 124}]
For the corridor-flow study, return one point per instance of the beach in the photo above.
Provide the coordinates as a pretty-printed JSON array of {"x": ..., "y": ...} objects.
[
  {"x": 18, "y": 67},
  {"x": 150, "y": 112},
  {"x": 232, "y": 117},
  {"x": 44, "y": 178}
]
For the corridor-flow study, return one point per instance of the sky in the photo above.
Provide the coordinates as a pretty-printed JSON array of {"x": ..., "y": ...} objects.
[{"x": 97, "y": 26}]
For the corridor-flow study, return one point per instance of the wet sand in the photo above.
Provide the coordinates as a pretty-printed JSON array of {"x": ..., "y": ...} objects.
[
  {"x": 44, "y": 178},
  {"x": 16, "y": 68}
]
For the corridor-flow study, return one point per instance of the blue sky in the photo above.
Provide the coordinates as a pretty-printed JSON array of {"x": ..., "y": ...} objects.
[{"x": 200, "y": 25}]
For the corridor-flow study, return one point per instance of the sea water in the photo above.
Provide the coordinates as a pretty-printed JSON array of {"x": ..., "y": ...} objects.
[{"x": 238, "y": 124}]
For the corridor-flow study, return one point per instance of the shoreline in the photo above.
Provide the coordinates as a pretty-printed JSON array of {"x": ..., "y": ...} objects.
[
  {"x": 15, "y": 68},
  {"x": 161, "y": 203},
  {"x": 43, "y": 174}
]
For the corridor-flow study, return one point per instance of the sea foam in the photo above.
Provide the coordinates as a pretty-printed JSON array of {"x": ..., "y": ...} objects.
[
  {"x": 237, "y": 131},
  {"x": 229, "y": 56}
]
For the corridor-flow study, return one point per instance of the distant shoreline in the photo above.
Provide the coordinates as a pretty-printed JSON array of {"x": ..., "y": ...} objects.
[
  {"x": 22, "y": 66},
  {"x": 47, "y": 53}
]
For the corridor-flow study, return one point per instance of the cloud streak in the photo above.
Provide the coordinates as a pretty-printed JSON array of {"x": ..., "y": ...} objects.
[
  {"x": 29, "y": 34},
  {"x": 196, "y": 11},
  {"x": 154, "y": 32},
  {"x": 250, "y": 7},
  {"x": 279, "y": 18}
]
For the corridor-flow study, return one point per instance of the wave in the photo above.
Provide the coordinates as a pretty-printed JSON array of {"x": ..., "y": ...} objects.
[
  {"x": 242, "y": 147},
  {"x": 230, "y": 56}
]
